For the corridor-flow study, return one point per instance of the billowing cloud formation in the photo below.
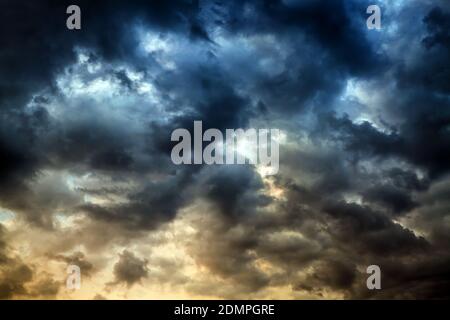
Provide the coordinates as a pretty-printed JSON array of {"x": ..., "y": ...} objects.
[
  {"x": 85, "y": 170},
  {"x": 130, "y": 269}
]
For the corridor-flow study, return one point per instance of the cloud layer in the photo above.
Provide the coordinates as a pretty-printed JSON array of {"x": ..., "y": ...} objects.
[{"x": 86, "y": 176}]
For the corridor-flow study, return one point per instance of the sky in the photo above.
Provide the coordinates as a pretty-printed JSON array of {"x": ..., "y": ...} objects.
[{"x": 86, "y": 176}]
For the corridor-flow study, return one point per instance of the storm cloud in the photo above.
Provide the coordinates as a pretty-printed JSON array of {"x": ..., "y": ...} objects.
[{"x": 86, "y": 176}]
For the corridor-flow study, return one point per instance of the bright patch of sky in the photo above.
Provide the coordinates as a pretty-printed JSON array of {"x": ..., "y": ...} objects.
[
  {"x": 6, "y": 215},
  {"x": 117, "y": 93},
  {"x": 171, "y": 50}
]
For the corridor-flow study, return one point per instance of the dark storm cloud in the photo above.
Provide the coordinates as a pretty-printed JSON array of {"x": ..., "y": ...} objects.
[
  {"x": 340, "y": 37},
  {"x": 3, "y": 257},
  {"x": 334, "y": 274},
  {"x": 371, "y": 231},
  {"x": 46, "y": 288},
  {"x": 235, "y": 191},
  {"x": 334, "y": 240},
  {"x": 421, "y": 136},
  {"x": 16, "y": 282},
  {"x": 220, "y": 107},
  {"x": 422, "y": 139},
  {"x": 427, "y": 139},
  {"x": 18, "y": 157},
  {"x": 14, "y": 273},
  {"x": 13, "y": 279},
  {"x": 51, "y": 44},
  {"x": 435, "y": 73},
  {"x": 427, "y": 278},
  {"x": 228, "y": 255},
  {"x": 361, "y": 140},
  {"x": 290, "y": 59},
  {"x": 314, "y": 54},
  {"x": 77, "y": 258},
  {"x": 91, "y": 142},
  {"x": 36, "y": 45},
  {"x": 213, "y": 101},
  {"x": 157, "y": 202},
  {"x": 396, "y": 200},
  {"x": 406, "y": 180},
  {"x": 130, "y": 269},
  {"x": 438, "y": 25}
]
